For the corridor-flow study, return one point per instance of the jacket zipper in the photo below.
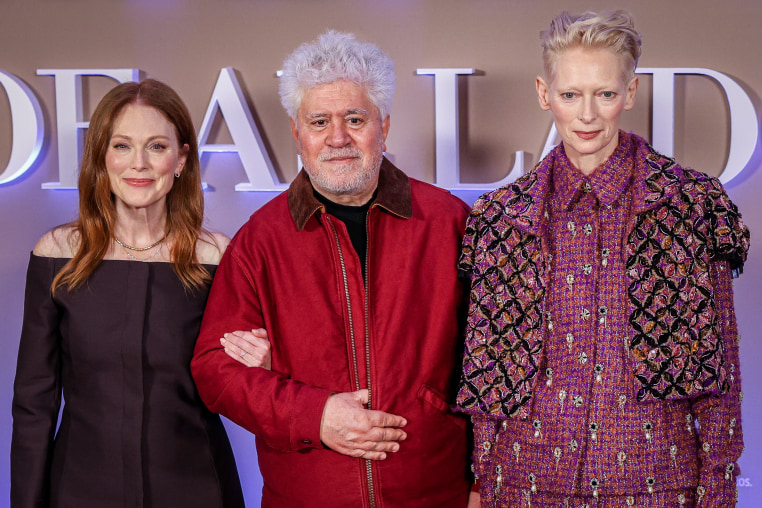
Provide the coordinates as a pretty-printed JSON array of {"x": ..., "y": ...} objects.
[
  {"x": 368, "y": 463},
  {"x": 349, "y": 306},
  {"x": 353, "y": 345}
]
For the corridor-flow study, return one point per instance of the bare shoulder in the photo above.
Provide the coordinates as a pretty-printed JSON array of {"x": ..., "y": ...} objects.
[
  {"x": 210, "y": 247},
  {"x": 59, "y": 242}
]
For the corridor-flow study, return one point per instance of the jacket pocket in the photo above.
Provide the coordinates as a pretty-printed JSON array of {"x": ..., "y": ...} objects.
[{"x": 437, "y": 400}]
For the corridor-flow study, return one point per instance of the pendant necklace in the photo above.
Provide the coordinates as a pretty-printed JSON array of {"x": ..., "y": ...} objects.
[
  {"x": 149, "y": 258},
  {"x": 128, "y": 248},
  {"x": 140, "y": 249}
]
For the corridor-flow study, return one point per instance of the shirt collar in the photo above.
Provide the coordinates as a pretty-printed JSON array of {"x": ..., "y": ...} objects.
[{"x": 607, "y": 182}]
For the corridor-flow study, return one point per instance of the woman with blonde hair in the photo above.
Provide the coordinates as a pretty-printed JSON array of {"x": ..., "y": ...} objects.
[
  {"x": 112, "y": 310},
  {"x": 601, "y": 363}
]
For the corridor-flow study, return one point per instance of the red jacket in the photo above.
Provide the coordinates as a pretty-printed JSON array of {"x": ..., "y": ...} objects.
[{"x": 292, "y": 270}]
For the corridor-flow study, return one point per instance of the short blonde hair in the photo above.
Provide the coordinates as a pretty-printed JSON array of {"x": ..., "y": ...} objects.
[{"x": 612, "y": 30}]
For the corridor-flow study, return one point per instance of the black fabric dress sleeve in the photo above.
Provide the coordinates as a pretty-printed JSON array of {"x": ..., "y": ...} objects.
[{"x": 36, "y": 389}]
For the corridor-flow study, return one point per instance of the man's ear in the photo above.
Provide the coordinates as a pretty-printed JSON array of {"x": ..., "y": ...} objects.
[
  {"x": 295, "y": 134},
  {"x": 384, "y": 132}
]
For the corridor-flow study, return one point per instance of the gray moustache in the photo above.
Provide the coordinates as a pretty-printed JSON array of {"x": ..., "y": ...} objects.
[{"x": 332, "y": 155}]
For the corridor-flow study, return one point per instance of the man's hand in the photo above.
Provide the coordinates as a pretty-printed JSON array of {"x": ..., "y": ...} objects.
[{"x": 350, "y": 429}]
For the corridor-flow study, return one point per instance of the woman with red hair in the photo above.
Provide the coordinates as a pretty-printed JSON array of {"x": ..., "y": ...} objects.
[{"x": 113, "y": 307}]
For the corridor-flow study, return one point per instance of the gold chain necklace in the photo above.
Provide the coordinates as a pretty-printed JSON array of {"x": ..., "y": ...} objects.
[
  {"x": 140, "y": 249},
  {"x": 149, "y": 258}
]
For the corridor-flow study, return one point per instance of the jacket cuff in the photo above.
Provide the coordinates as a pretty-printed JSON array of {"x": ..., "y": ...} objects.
[
  {"x": 717, "y": 492},
  {"x": 306, "y": 419},
  {"x": 485, "y": 431}
]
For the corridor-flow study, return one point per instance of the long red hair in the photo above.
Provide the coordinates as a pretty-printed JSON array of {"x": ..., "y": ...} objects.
[{"x": 93, "y": 231}]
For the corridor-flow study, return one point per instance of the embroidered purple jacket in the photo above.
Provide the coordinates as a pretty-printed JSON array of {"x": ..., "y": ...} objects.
[{"x": 601, "y": 327}]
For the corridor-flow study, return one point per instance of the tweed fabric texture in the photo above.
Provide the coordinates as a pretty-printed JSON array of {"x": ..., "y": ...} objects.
[
  {"x": 670, "y": 499},
  {"x": 594, "y": 343}
]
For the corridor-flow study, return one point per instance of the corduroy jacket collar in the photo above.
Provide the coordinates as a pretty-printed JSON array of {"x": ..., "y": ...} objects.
[{"x": 393, "y": 195}]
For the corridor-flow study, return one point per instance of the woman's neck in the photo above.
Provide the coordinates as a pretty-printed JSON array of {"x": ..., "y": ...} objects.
[{"x": 140, "y": 227}]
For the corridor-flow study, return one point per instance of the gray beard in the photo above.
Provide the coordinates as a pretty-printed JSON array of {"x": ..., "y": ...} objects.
[{"x": 354, "y": 179}]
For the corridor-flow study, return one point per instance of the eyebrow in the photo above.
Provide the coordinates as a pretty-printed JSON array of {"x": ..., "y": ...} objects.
[
  {"x": 348, "y": 112},
  {"x": 150, "y": 138}
]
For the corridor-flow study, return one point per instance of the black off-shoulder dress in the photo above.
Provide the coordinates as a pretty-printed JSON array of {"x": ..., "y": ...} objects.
[{"x": 133, "y": 431}]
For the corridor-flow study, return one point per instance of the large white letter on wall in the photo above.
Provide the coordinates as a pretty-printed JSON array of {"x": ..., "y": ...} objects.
[
  {"x": 69, "y": 120},
  {"x": 743, "y": 117},
  {"x": 447, "y": 133},
  {"x": 27, "y": 127},
  {"x": 247, "y": 141}
]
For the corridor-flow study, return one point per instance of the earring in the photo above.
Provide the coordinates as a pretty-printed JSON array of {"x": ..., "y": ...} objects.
[{"x": 177, "y": 175}]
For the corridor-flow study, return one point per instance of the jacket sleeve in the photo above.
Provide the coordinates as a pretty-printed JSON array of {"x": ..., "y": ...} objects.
[
  {"x": 485, "y": 433},
  {"x": 719, "y": 417},
  {"x": 284, "y": 412},
  {"x": 36, "y": 390},
  {"x": 484, "y": 428}
]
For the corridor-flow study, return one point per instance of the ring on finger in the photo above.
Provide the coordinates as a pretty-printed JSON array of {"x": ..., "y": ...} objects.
[{"x": 244, "y": 354}]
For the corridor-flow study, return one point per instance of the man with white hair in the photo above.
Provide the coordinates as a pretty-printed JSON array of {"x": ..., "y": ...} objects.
[{"x": 352, "y": 271}]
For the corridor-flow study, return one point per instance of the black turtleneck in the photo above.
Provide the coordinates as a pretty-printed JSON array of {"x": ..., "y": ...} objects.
[{"x": 354, "y": 218}]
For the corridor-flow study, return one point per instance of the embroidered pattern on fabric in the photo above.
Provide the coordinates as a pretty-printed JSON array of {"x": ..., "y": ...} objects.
[
  {"x": 676, "y": 343},
  {"x": 687, "y": 222},
  {"x": 504, "y": 335}
]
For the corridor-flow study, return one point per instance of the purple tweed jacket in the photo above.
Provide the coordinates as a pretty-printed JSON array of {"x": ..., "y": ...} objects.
[{"x": 682, "y": 238}]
